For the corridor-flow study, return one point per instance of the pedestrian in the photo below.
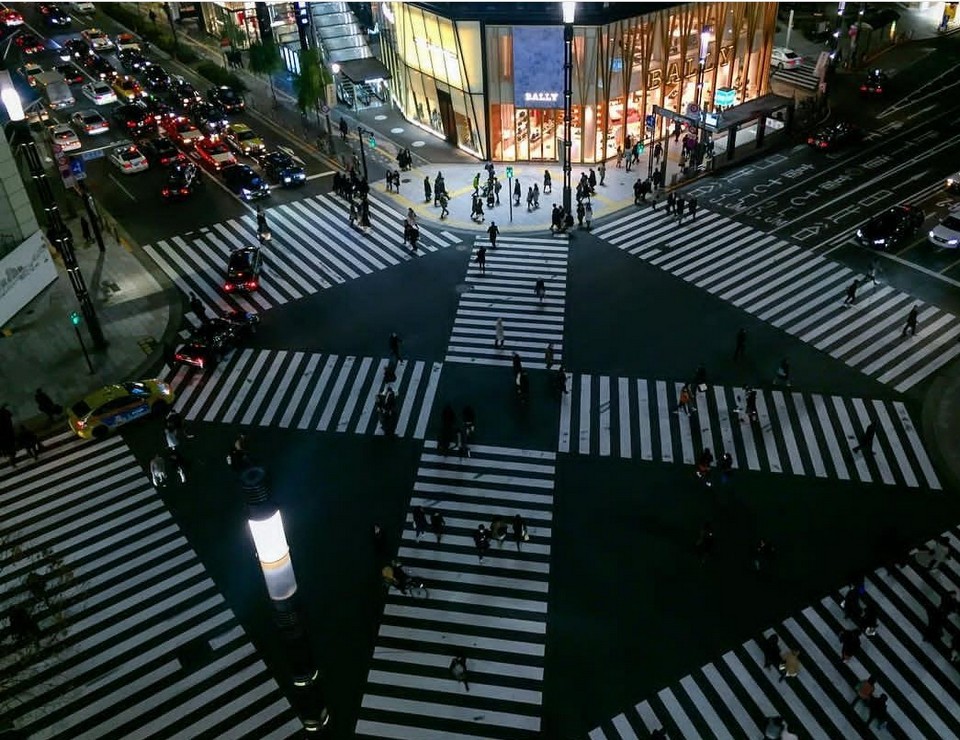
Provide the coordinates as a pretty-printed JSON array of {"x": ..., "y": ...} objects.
[
  {"x": 671, "y": 201},
  {"x": 851, "y": 293},
  {"x": 725, "y": 466},
  {"x": 849, "y": 643},
  {"x": 865, "y": 689},
  {"x": 783, "y": 373},
  {"x": 703, "y": 466},
  {"x": 476, "y": 184},
  {"x": 602, "y": 170},
  {"x": 678, "y": 208},
  {"x": 29, "y": 442},
  {"x": 878, "y": 711},
  {"x": 262, "y": 227},
  {"x": 172, "y": 438},
  {"x": 498, "y": 333},
  {"x": 706, "y": 542},
  {"x": 677, "y": 130},
  {"x": 851, "y": 604},
  {"x": 199, "y": 310},
  {"x": 493, "y": 232},
  {"x": 770, "y": 646},
  {"x": 657, "y": 153},
  {"x": 692, "y": 208},
  {"x": 46, "y": 405},
  {"x": 343, "y": 128},
  {"x": 481, "y": 259},
  {"x": 85, "y": 230},
  {"x": 592, "y": 179},
  {"x": 498, "y": 530},
  {"x": 866, "y": 441},
  {"x": 458, "y": 669},
  {"x": 427, "y": 194},
  {"x": 444, "y": 201},
  {"x": 775, "y": 728},
  {"x": 394, "y": 343},
  {"x": 379, "y": 545},
  {"x": 497, "y": 187},
  {"x": 520, "y": 534},
  {"x": 517, "y": 365},
  {"x": 540, "y": 289},
  {"x": 516, "y": 192},
  {"x": 762, "y": 551},
  {"x": 481, "y": 538},
  {"x": 683, "y": 401},
  {"x": 529, "y": 199},
  {"x": 658, "y": 197},
  {"x": 941, "y": 551},
  {"x": 790, "y": 664},
  {"x": 158, "y": 471},
  {"x": 547, "y": 183},
  {"x": 419, "y": 521},
  {"x": 548, "y": 356},
  {"x": 911, "y": 325},
  {"x": 588, "y": 214},
  {"x": 873, "y": 270},
  {"x": 437, "y": 523},
  {"x": 581, "y": 211},
  {"x": 869, "y": 621}
]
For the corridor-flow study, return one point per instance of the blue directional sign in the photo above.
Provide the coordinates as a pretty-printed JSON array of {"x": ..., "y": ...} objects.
[
  {"x": 76, "y": 166},
  {"x": 91, "y": 154},
  {"x": 651, "y": 121}
]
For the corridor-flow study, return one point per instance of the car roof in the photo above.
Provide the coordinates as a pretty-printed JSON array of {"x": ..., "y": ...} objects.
[{"x": 102, "y": 395}]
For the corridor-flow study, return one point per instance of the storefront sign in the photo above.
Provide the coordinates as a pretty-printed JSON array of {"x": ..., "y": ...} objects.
[
  {"x": 538, "y": 66},
  {"x": 658, "y": 77},
  {"x": 725, "y": 96}
]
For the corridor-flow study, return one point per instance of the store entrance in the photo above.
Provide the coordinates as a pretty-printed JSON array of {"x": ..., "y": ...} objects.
[
  {"x": 445, "y": 104},
  {"x": 537, "y": 133}
]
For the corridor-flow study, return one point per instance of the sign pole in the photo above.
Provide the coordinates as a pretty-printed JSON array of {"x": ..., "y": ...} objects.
[{"x": 510, "y": 191}]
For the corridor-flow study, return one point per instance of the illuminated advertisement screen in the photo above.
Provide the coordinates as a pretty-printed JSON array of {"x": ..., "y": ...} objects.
[{"x": 538, "y": 66}]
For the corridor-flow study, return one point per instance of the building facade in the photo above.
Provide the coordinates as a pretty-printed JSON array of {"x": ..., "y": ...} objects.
[{"x": 491, "y": 84}]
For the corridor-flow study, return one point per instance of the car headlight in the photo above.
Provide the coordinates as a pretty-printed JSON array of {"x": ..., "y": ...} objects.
[
  {"x": 164, "y": 388},
  {"x": 286, "y": 179},
  {"x": 879, "y": 241},
  {"x": 953, "y": 241},
  {"x": 859, "y": 233}
]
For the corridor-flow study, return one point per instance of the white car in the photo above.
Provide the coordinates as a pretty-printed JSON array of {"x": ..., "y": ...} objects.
[
  {"x": 29, "y": 72},
  {"x": 784, "y": 58},
  {"x": 82, "y": 7},
  {"x": 97, "y": 39},
  {"x": 128, "y": 159},
  {"x": 953, "y": 182},
  {"x": 99, "y": 92},
  {"x": 91, "y": 122},
  {"x": 65, "y": 137},
  {"x": 946, "y": 234}
]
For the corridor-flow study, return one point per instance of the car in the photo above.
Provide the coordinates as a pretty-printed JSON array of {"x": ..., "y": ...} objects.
[
  {"x": 30, "y": 43},
  {"x": 54, "y": 16},
  {"x": 890, "y": 227},
  {"x": 127, "y": 89},
  {"x": 132, "y": 60},
  {"x": 875, "y": 83},
  {"x": 784, "y": 58},
  {"x": 227, "y": 98},
  {"x": 946, "y": 234},
  {"x": 181, "y": 130},
  {"x": 100, "y": 93},
  {"x": 243, "y": 270},
  {"x": 30, "y": 71},
  {"x": 99, "y": 68},
  {"x": 212, "y": 341},
  {"x": 214, "y": 154},
  {"x": 208, "y": 117},
  {"x": 243, "y": 140},
  {"x": 952, "y": 183},
  {"x": 156, "y": 78},
  {"x": 835, "y": 135},
  {"x": 182, "y": 93},
  {"x": 112, "y": 406},
  {"x": 129, "y": 159},
  {"x": 244, "y": 182},
  {"x": 90, "y": 122},
  {"x": 65, "y": 137},
  {"x": 84, "y": 8},
  {"x": 96, "y": 39},
  {"x": 158, "y": 108},
  {"x": 160, "y": 150},
  {"x": 126, "y": 42},
  {"x": 10, "y": 18},
  {"x": 70, "y": 73},
  {"x": 134, "y": 119},
  {"x": 183, "y": 181},
  {"x": 280, "y": 167},
  {"x": 74, "y": 50}
]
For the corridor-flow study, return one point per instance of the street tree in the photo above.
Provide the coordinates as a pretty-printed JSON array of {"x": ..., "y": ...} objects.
[
  {"x": 311, "y": 84},
  {"x": 265, "y": 59}
]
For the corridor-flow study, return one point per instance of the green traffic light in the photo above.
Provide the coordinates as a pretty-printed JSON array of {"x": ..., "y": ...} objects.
[
  {"x": 75, "y": 318},
  {"x": 373, "y": 143}
]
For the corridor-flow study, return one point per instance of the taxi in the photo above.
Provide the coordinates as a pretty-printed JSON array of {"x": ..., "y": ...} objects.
[
  {"x": 243, "y": 140},
  {"x": 112, "y": 406}
]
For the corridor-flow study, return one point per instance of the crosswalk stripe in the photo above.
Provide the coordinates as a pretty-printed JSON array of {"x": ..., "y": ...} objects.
[
  {"x": 733, "y": 261},
  {"x": 409, "y": 692},
  {"x": 796, "y": 433},
  {"x": 119, "y": 670}
]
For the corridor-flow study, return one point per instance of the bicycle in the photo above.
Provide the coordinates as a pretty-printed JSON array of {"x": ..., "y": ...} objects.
[{"x": 415, "y": 587}]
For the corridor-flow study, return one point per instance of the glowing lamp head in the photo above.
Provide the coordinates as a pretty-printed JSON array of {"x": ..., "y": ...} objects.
[{"x": 569, "y": 11}]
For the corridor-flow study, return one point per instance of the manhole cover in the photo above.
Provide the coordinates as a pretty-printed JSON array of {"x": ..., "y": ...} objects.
[
  {"x": 397, "y": 130},
  {"x": 381, "y": 117},
  {"x": 461, "y": 247},
  {"x": 418, "y": 144},
  {"x": 463, "y": 288}
]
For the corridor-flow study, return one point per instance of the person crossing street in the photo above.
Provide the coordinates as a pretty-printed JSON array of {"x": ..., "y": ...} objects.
[{"x": 493, "y": 232}]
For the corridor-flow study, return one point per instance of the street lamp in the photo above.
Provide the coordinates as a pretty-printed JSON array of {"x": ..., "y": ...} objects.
[
  {"x": 335, "y": 69},
  {"x": 57, "y": 230},
  {"x": 706, "y": 36},
  {"x": 569, "y": 13}
]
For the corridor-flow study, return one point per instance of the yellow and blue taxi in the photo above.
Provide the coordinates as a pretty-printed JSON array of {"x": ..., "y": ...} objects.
[{"x": 112, "y": 406}]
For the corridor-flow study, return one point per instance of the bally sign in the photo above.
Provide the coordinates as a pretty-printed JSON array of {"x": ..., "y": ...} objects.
[
  {"x": 541, "y": 97},
  {"x": 537, "y": 66},
  {"x": 657, "y": 77}
]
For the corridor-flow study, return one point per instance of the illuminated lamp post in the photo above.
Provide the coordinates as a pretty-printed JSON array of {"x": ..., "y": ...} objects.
[
  {"x": 57, "y": 231},
  {"x": 335, "y": 69},
  {"x": 706, "y": 36},
  {"x": 569, "y": 13},
  {"x": 273, "y": 552}
]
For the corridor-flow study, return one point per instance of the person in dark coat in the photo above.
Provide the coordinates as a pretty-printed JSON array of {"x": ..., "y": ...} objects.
[
  {"x": 517, "y": 192},
  {"x": 46, "y": 405}
]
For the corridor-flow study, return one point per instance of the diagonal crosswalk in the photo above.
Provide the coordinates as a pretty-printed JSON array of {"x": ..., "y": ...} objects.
[
  {"x": 306, "y": 390},
  {"x": 506, "y": 292},
  {"x": 494, "y": 612},
  {"x": 733, "y": 696},
  {"x": 139, "y": 642},
  {"x": 795, "y": 290},
  {"x": 795, "y": 433},
  {"x": 802, "y": 76},
  {"x": 312, "y": 248}
]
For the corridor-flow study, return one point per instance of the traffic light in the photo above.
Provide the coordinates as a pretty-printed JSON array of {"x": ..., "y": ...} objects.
[
  {"x": 642, "y": 147},
  {"x": 372, "y": 142},
  {"x": 75, "y": 318}
]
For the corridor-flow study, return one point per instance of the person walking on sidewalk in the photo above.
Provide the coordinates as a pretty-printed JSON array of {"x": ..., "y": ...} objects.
[
  {"x": 520, "y": 534},
  {"x": 343, "y": 128},
  {"x": 437, "y": 523},
  {"x": 498, "y": 333},
  {"x": 547, "y": 183},
  {"x": 493, "y": 232},
  {"x": 481, "y": 259},
  {"x": 741, "y": 347},
  {"x": 851, "y": 298},
  {"x": 602, "y": 171},
  {"x": 866, "y": 441},
  {"x": 419, "y": 521},
  {"x": 911, "y": 325},
  {"x": 85, "y": 230},
  {"x": 427, "y": 192},
  {"x": 458, "y": 669},
  {"x": 393, "y": 344},
  {"x": 517, "y": 192},
  {"x": 657, "y": 153}
]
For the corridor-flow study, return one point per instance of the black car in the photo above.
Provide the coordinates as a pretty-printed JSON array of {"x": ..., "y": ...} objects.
[
  {"x": 155, "y": 106},
  {"x": 160, "y": 151},
  {"x": 890, "y": 227},
  {"x": 75, "y": 49},
  {"x": 244, "y": 182},
  {"x": 280, "y": 167},
  {"x": 209, "y": 118},
  {"x": 227, "y": 98},
  {"x": 71, "y": 74},
  {"x": 54, "y": 16},
  {"x": 184, "y": 180},
  {"x": 835, "y": 135},
  {"x": 875, "y": 83},
  {"x": 133, "y": 119},
  {"x": 156, "y": 78},
  {"x": 132, "y": 60},
  {"x": 243, "y": 270},
  {"x": 182, "y": 94},
  {"x": 99, "y": 68},
  {"x": 211, "y": 341}
]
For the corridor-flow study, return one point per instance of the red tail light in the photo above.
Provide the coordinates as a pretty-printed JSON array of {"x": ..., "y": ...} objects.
[
  {"x": 251, "y": 285},
  {"x": 184, "y": 191},
  {"x": 166, "y": 192},
  {"x": 863, "y": 88},
  {"x": 879, "y": 89},
  {"x": 228, "y": 287}
]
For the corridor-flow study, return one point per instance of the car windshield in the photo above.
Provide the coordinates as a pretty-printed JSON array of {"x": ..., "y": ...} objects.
[
  {"x": 91, "y": 118},
  {"x": 227, "y": 94},
  {"x": 128, "y": 155},
  {"x": 244, "y": 135},
  {"x": 240, "y": 261},
  {"x": 218, "y": 148},
  {"x": 951, "y": 222},
  {"x": 137, "y": 389},
  {"x": 790, "y": 54}
]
